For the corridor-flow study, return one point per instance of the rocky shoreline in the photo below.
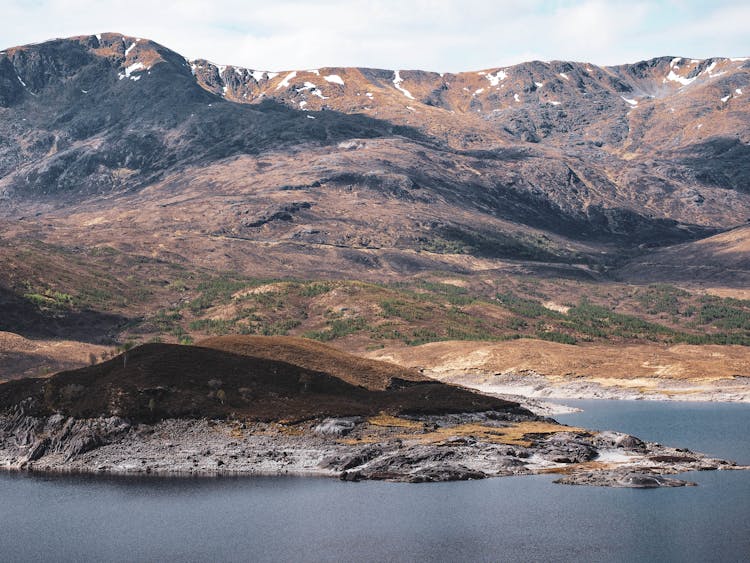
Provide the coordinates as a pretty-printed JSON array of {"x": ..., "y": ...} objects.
[{"x": 414, "y": 449}]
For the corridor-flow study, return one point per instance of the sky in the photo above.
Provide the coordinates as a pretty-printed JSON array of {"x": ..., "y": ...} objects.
[{"x": 437, "y": 35}]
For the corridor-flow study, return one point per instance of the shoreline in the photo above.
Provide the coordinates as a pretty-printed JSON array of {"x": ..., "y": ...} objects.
[
  {"x": 415, "y": 450},
  {"x": 534, "y": 387}
]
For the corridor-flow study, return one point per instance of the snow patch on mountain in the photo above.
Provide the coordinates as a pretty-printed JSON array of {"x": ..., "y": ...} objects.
[
  {"x": 397, "y": 80},
  {"x": 314, "y": 90},
  {"x": 334, "y": 79},
  {"x": 135, "y": 67},
  {"x": 496, "y": 78},
  {"x": 710, "y": 68},
  {"x": 677, "y": 78},
  {"x": 131, "y": 47},
  {"x": 285, "y": 82}
]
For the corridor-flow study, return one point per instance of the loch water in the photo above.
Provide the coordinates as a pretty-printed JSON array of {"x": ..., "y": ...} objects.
[{"x": 101, "y": 518}]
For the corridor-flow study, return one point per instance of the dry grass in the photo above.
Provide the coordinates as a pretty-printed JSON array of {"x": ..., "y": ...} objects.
[
  {"x": 515, "y": 434},
  {"x": 595, "y": 361},
  {"x": 23, "y": 357},
  {"x": 312, "y": 355},
  {"x": 393, "y": 421}
]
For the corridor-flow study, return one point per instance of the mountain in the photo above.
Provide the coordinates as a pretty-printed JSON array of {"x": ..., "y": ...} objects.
[
  {"x": 488, "y": 162},
  {"x": 722, "y": 259},
  {"x": 143, "y": 195}
]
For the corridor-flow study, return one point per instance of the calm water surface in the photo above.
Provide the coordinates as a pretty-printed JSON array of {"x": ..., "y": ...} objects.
[{"x": 87, "y": 518}]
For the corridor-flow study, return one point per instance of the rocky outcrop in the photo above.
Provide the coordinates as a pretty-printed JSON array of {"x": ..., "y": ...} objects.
[
  {"x": 57, "y": 435},
  {"x": 414, "y": 450},
  {"x": 624, "y": 478}
]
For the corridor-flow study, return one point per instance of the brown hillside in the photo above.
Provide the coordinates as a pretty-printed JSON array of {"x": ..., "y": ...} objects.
[
  {"x": 599, "y": 361},
  {"x": 309, "y": 354},
  {"x": 720, "y": 260},
  {"x": 157, "y": 381}
]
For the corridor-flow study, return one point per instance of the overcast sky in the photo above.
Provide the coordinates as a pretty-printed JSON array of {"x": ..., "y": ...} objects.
[{"x": 439, "y": 35}]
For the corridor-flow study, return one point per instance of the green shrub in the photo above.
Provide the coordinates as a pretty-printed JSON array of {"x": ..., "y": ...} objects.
[
  {"x": 314, "y": 289},
  {"x": 555, "y": 336}
]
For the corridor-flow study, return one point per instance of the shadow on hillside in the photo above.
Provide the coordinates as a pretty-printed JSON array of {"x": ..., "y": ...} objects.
[{"x": 21, "y": 316}]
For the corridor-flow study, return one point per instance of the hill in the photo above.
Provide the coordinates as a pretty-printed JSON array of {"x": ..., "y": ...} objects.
[
  {"x": 720, "y": 260},
  {"x": 312, "y": 355},
  {"x": 159, "y": 381}
]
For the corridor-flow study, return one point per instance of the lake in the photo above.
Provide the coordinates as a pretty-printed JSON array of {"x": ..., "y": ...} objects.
[{"x": 99, "y": 518}]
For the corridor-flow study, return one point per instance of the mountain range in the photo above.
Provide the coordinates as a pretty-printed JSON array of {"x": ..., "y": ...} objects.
[{"x": 122, "y": 163}]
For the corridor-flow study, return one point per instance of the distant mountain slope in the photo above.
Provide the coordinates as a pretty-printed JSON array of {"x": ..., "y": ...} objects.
[
  {"x": 116, "y": 140},
  {"x": 722, "y": 260}
]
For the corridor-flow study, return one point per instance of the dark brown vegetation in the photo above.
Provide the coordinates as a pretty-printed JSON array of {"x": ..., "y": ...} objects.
[
  {"x": 157, "y": 381},
  {"x": 311, "y": 355}
]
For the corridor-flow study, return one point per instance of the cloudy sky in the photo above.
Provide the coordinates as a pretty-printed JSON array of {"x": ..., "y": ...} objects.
[{"x": 440, "y": 35}]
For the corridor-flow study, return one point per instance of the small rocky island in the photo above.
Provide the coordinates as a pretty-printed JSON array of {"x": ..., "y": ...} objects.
[{"x": 278, "y": 405}]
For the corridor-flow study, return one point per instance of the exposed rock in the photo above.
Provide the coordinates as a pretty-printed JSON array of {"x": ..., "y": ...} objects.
[
  {"x": 397, "y": 453},
  {"x": 618, "y": 440},
  {"x": 630, "y": 479},
  {"x": 336, "y": 426},
  {"x": 38, "y": 449}
]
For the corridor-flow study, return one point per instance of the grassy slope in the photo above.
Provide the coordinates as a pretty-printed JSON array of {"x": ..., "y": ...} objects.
[
  {"x": 114, "y": 298},
  {"x": 150, "y": 299}
]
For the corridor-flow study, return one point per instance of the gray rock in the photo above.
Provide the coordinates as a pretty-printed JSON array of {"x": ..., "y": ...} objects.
[
  {"x": 624, "y": 479},
  {"x": 335, "y": 426},
  {"x": 610, "y": 439},
  {"x": 38, "y": 449}
]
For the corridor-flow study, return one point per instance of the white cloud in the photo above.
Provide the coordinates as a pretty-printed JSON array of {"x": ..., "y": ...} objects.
[{"x": 448, "y": 35}]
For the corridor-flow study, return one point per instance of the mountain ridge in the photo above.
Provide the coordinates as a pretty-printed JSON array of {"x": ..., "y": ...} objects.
[{"x": 96, "y": 126}]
